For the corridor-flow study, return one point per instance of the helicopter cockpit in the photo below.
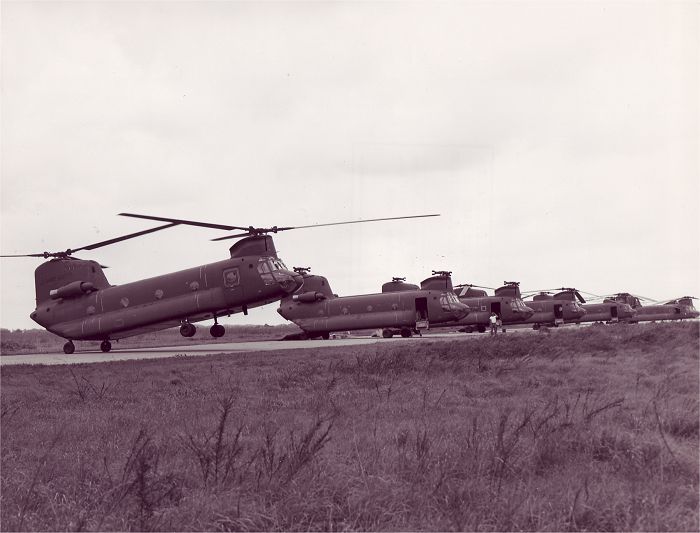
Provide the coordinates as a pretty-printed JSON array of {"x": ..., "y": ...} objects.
[
  {"x": 520, "y": 309},
  {"x": 451, "y": 304},
  {"x": 269, "y": 269}
]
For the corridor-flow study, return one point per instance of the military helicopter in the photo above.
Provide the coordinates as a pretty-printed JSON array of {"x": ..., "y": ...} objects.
[
  {"x": 319, "y": 312},
  {"x": 75, "y": 301},
  {"x": 554, "y": 310},
  {"x": 609, "y": 311},
  {"x": 506, "y": 303},
  {"x": 677, "y": 309}
]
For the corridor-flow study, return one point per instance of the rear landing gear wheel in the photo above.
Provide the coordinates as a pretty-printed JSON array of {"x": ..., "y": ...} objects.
[
  {"x": 325, "y": 336},
  {"x": 405, "y": 333},
  {"x": 217, "y": 330},
  {"x": 105, "y": 346},
  {"x": 69, "y": 347},
  {"x": 387, "y": 333},
  {"x": 188, "y": 330},
  {"x": 481, "y": 329}
]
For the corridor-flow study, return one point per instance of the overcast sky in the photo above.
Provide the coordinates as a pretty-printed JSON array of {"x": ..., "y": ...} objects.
[{"x": 559, "y": 141}]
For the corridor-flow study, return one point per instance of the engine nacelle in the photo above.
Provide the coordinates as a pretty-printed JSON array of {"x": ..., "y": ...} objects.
[
  {"x": 308, "y": 297},
  {"x": 72, "y": 290}
]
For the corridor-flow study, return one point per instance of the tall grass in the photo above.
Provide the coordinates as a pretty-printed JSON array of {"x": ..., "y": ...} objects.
[{"x": 579, "y": 429}]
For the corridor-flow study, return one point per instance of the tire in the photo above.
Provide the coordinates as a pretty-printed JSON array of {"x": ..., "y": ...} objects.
[
  {"x": 217, "y": 330},
  {"x": 387, "y": 333},
  {"x": 188, "y": 330},
  {"x": 481, "y": 329},
  {"x": 68, "y": 348},
  {"x": 325, "y": 336},
  {"x": 105, "y": 346},
  {"x": 406, "y": 333}
]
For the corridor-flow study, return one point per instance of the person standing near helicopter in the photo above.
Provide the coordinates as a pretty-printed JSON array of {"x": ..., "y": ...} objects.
[{"x": 493, "y": 321}]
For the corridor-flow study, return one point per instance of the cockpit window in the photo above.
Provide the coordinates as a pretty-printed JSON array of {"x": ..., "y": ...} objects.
[
  {"x": 446, "y": 299},
  {"x": 270, "y": 264}
]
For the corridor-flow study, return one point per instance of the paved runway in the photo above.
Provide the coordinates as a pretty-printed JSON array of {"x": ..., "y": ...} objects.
[{"x": 199, "y": 350}]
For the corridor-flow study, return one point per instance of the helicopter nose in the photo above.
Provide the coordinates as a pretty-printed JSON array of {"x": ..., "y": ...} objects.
[
  {"x": 460, "y": 310},
  {"x": 627, "y": 312},
  {"x": 291, "y": 282},
  {"x": 524, "y": 314}
]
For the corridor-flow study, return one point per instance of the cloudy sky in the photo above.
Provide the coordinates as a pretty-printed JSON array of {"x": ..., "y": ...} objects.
[{"x": 558, "y": 141}]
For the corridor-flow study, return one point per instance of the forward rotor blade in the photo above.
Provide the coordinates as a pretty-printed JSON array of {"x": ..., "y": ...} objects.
[
  {"x": 359, "y": 221},
  {"x": 472, "y": 285},
  {"x": 124, "y": 237},
  {"x": 186, "y": 222},
  {"x": 276, "y": 230},
  {"x": 236, "y": 236}
]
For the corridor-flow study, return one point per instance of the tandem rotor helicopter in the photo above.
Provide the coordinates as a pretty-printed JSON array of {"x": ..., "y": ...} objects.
[{"x": 75, "y": 301}]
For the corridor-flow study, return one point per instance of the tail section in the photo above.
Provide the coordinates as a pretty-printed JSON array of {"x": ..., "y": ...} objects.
[{"x": 65, "y": 277}]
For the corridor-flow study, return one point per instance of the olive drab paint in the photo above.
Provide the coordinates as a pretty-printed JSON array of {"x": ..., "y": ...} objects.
[{"x": 319, "y": 312}]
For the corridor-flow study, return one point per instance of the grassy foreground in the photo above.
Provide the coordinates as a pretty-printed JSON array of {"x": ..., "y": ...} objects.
[{"x": 579, "y": 429}]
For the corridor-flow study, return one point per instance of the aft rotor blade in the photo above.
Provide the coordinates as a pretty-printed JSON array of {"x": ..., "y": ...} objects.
[
  {"x": 276, "y": 230},
  {"x": 23, "y": 255},
  {"x": 93, "y": 246},
  {"x": 124, "y": 237},
  {"x": 186, "y": 222}
]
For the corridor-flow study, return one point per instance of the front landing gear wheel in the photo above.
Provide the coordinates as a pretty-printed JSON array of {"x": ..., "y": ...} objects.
[
  {"x": 217, "y": 330},
  {"x": 69, "y": 347},
  {"x": 105, "y": 346}
]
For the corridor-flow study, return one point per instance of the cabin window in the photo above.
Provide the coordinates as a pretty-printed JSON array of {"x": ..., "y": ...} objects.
[{"x": 232, "y": 277}]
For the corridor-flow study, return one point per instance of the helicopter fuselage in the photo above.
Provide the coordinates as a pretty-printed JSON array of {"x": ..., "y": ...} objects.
[
  {"x": 604, "y": 312},
  {"x": 318, "y": 312},
  {"x": 554, "y": 310},
  {"x": 80, "y": 311}
]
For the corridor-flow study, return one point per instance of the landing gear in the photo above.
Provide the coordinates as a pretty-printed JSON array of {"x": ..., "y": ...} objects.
[
  {"x": 387, "y": 333},
  {"x": 325, "y": 336},
  {"x": 405, "y": 333},
  {"x": 481, "y": 329},
  {"x": 536, "y": 327},
  {"x": 188, "y": 330},
  {"x": 216, "y": 331},
  {"x": 68, "y": 348},
  {"x": 105, "y": 346}
]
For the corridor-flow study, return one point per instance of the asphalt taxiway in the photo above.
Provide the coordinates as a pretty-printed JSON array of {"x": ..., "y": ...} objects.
[{"x": 196, "y": 350}]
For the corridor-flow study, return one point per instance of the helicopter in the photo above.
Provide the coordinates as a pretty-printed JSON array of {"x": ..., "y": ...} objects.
[
  {"x": 676, "y": 309},
  {"x": 608, "y": 312},
  {"x": 554, "y": 310},
  {"x": 506, "y": 303},
  {"x": 319, "y": 312},
  {"x": 75, "y": 301}
]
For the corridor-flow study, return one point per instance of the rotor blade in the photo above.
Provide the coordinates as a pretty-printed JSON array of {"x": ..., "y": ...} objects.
[
  {"x": 472, "y": 285},
  {"x": 357, "y": 221},
  {"x": 24, "y": 255},
  {"x": 276, "y": 230},
  {"x": 186, "y": 222},
  {"x": 124, "y": 237},
  {"x": 580, "y": 298}
]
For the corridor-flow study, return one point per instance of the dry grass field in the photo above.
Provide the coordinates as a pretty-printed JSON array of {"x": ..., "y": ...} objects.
[{"x": 577, "y": 429}]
